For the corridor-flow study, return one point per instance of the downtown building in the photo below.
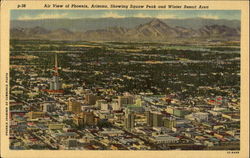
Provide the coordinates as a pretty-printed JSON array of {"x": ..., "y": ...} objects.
[{"x": 154, "y": 119}]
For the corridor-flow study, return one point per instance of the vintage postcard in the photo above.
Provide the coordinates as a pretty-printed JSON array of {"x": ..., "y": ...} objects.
[{"x": 124, "y": 79}]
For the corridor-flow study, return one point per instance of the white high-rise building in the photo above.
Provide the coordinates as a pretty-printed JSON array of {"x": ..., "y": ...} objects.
[
  {"x": 115, "y": 106},
  {"x": 104, "y": 106},
  {"x": 48, "y": 107}
]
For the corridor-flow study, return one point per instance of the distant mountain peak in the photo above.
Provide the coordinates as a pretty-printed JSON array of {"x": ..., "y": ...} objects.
[
  {"x": 218, "y": 30},
  {"x": 63, "y": 30},
  {"x": 38, "y": 30},
  {"x": 156, "y": 22}
]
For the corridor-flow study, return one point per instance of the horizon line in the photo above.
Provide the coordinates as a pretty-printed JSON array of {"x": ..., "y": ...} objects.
[{"x": 124, "y": 18}]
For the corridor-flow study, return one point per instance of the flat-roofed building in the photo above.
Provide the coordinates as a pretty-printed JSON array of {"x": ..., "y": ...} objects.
[
  {"x": 125, "y": 100},
  {"x": 74, "y": 106},
  {"x": 90, "y": 99},
  {"x": 35, "y": 115},
  {"x": 85, "y": 118},
  {"x": 55, "y": 126},
  {"x": 164, "y": 139}
]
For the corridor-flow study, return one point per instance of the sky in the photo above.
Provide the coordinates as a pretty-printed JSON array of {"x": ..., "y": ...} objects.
[{"x": 161, "y": 14}]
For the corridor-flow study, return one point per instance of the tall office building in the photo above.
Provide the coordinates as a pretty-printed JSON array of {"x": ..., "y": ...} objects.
[
  {"x": 104, "y": 106},
  {"x": 154, "y": 119},
  {"x": 85, "y": 118},
  {"x": 100, "y": 102},
  {"x": 74, "y": 106},
  {"x": 129, "y": 120},
  {"x": 88, "y": 118},
  {"x": 115, "y": 106},
  {"x": 157, "y": 119},
  {"x": 90, "y": 99},
  {"x": 48, "y": 107},
  {"x": 149, "y": 117},
  {"x": 125, "y": 100},
  {"x": 169, "y": 122}
]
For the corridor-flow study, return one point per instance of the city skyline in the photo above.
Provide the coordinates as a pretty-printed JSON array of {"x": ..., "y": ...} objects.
[
  {"x": 114, "y": 98},
  {"x": 155, "y": 85}
]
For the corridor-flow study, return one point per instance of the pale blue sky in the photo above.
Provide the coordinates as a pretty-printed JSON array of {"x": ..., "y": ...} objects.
[{"x": 162, "y": 14}]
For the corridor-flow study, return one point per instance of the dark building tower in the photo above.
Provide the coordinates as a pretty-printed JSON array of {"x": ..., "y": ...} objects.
[
  {"x": 129, "y": 120},
  {"x": 149, "y": 117},
  {"x": 157, "y": 119},
  {"x": 55, "y": 84},
  {"x": 154, "y": 119}
]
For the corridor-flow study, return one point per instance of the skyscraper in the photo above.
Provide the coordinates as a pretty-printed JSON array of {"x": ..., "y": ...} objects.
[
  {"x": 154, "y": 119},
  {"x": 74, "y": 106},
  {"x": 48, "y": 107},
  {"x": 90, "y": 99},
  {"x": 169, "y": 122},
  {"x": 157, "y": 119},
  {"x": 115, "y": 106},
  {"x": 149, "y": 117},
  {"x": 84, "y": 118},
  {"x": 129, "y": 119},
  {"x": 125, "y": 100}
]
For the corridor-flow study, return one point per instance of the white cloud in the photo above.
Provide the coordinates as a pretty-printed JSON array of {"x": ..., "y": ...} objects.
[
  {"x": 159, "y": 16},
  {"x": 208, "y": 16},
  {"x": 112, "y": 15},
  {"x": 43, "y": 16},
  {"x": 165, "y": 16},
  {"x": 141, "y": 15}
]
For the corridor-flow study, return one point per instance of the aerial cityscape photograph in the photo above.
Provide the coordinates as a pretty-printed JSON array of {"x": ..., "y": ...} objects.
[{"x": 124, "y": 80}]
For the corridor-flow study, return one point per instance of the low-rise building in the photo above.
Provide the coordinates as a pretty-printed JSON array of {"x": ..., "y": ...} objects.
[{"x": 162, "y": 139}]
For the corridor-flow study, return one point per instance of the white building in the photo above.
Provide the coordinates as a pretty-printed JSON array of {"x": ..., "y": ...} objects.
[
  {"x": 99, "y": 102},
  {"x": 115, "y": 106},
  {"x": 159, "y": 139},
  {"x": 199, "y": 116},
  {"x": 104, "y": 106}
]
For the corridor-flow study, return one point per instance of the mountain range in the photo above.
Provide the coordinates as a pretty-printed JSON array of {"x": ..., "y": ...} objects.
[
  {"x": 155, "y": 29},
  {"x": 86, "y": 24}
]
